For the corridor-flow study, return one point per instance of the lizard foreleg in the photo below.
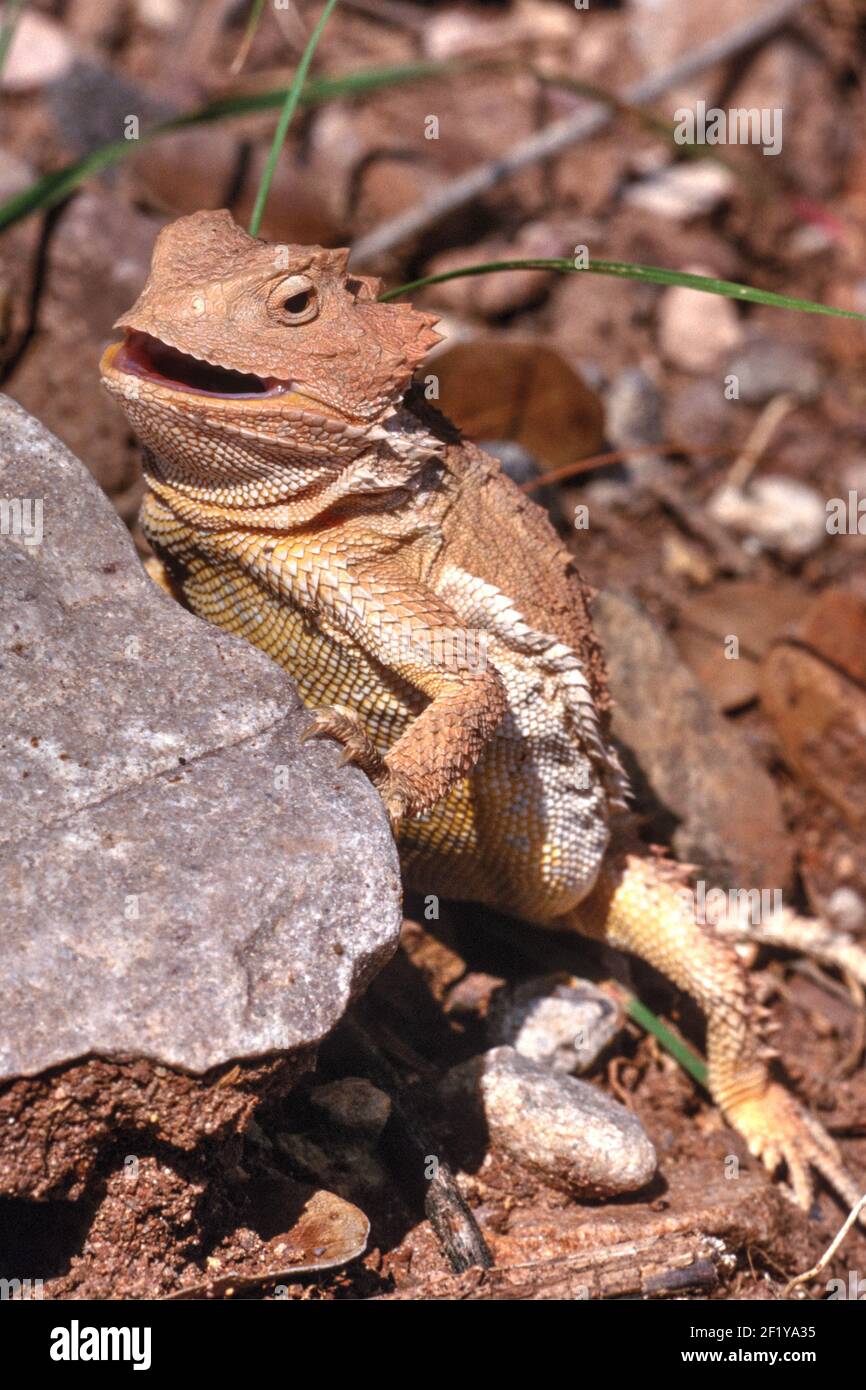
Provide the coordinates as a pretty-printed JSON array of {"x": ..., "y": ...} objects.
[{"x": 413, "y": 635}]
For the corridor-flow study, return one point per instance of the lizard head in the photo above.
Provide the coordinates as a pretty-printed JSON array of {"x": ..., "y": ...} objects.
[{"x": 239, "y": 329}]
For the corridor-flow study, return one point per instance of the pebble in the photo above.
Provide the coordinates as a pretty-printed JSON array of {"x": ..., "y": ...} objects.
[
  {"x": 571, "y": 1135},
  {"x": 846, "y": 910},
  {"x": 556, "y": 1020},
  {"x": 40, "y": 53},
  {"x": 696, "y": 411},
  {"x": 633, "y": 410},
  {"x": 354, "y": 1104},
  {"x": 682, "y": 191},
  {"x": 767, "y": 367},
  {"x": 696, "y": 330},
  {"x": 776, "y": 512}
]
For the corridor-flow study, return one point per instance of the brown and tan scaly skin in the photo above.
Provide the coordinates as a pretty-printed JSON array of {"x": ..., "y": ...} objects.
[{"x": 301, "y": 496}]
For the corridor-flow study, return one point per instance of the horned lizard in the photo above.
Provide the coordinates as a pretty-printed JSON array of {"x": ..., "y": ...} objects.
[{"x": 302, "y": 494}]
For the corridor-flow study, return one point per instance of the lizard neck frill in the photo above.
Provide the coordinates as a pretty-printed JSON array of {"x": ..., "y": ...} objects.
[{"x": 262, "y": 484}]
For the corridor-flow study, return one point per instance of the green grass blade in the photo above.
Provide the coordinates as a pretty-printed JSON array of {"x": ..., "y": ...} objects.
[
  {"x": 51, "y": 189},
  {"x": 292, "y": 98},
  {"x": 555, "y": 952},
  {"x": 647, "y": 274},
  {"x": 11, "y": 15},
  {"x": 679, "y": 1050}
]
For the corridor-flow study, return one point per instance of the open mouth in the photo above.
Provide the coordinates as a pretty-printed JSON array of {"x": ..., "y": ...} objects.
[{"x": 141, "y": 355}]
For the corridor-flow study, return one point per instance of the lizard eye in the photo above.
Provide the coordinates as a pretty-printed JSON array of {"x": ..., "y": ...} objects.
[{"x": 294, "y": 300}]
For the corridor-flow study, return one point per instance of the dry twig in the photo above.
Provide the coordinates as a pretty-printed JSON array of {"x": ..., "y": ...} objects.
[
  {"x": 562, "y": 134},
  {"x": 829, "y": 1252}
]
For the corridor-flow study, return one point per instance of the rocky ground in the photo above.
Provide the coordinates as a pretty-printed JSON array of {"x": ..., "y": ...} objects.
[{"x": 228, "y": 1073}]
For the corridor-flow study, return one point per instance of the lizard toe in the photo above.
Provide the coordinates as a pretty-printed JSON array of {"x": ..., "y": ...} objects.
[
  {"x": 778, "y": 1130},
  {"x": 344, "y": 725},
  {"x": 397, "y": 796}
]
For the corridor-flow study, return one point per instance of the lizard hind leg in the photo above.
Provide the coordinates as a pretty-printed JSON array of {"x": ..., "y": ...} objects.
[
  {"x": 642, "y": 905},
  {"x": 164, "y": 579},
  {"x": 157, "y": 571}
]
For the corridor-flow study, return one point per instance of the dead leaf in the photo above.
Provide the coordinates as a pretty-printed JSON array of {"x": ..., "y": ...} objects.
[
  {"x": 835, "y": 628},
  {"x": 523, "y": 391},
  {"x": 820, "y": 717},
  {"x": 329, "y": 1232}
]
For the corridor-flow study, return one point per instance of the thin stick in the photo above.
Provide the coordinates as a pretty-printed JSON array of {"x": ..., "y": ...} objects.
[
  {"x": 788, "y": 931},
  {"x": 11, "y": 15},
  {"x": 249, "y": 34},
  {"x": 446, "y": 1208},
  {"x": 829, "y": 1252},
  {"x": 592, "y": 461},
  {"x": 288, "y": 111},
  {"x": 765, "y": 427},
  {"x": 561, "y": 134}
]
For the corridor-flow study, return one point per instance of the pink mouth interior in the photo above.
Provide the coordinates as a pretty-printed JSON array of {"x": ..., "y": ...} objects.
[{"x": 142, "y": 355}]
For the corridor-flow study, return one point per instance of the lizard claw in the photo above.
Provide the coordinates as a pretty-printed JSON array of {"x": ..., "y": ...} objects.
[
  {"x": 343, "y": 724},
  {"x": 396, "y": 797},
  {"x": 779, "y": 1130}
]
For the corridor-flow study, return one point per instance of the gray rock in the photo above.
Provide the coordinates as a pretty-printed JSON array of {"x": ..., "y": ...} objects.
[
  {"x": 91, "y": 103},
  {"x": 633, "y": 420},
  {"x": 354, "y": 1104},
  {"x": 846, "y": 909},
  {"x": 697, "y": 411},
  {"x": 697, "y": 330},
  {"x": 566, "y": 1131},
  {"x": 773, "y": 513},
  {"x": 559, "y": 1021},
  {"x": 690, "y": 768},
  {"x": 181, "y": 879},
  {"x": 682, "y": 191},
  {"x": 633, "y": 410},
  {"x": 521, "y": 467},
  {"x": 767, "y": 367}
]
